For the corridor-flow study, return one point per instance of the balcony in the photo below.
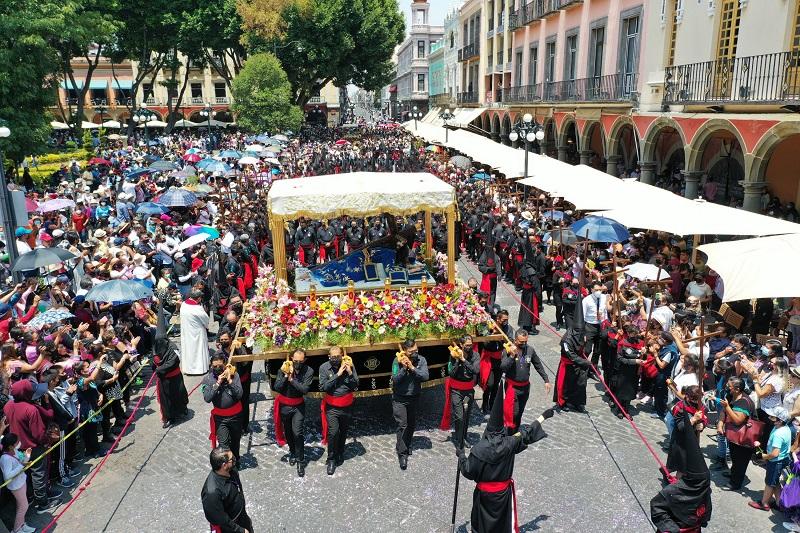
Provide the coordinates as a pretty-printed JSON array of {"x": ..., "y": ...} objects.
[
  {"x": 765, "y": 79},
  {"x": 441, "y": 100},
  {"x": 612, "y": 88},
  {"x": 220, "y": 100},
  {"x": 151, "y": 101},
  {"x": 197, "y": 100},
  {"x": 515, "y": 20},
  {"x": 469, "y": 51},
  {"x": 468, "y": 98}
]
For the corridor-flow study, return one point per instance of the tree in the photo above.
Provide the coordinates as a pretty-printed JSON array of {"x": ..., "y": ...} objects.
[
  {"x": 344, "y": 41},
  {"x": 262, "y": 20},
  {"x": 263, "y": 96},
  {"x": 27, "y": 65}
]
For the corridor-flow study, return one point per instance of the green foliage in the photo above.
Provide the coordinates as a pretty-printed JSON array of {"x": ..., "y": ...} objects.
[
  {"x": 87, "y": 139},
  {"x": 262, "y": 96},
  {"x": 344, "y": 41},
  {"x": 64, "y": 157}
]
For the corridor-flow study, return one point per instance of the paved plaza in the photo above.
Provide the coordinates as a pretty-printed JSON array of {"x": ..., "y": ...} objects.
[{"x": 592, "y": 473}]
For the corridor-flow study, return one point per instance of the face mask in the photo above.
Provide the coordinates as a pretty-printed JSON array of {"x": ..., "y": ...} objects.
[
  {"x": 298, "y": 365},
  {"x": 216, "y": 371},
  {"x": 764, "y": 350},
  {"x": 597, "y": 294},
  {"x": 336, "y": 362}
]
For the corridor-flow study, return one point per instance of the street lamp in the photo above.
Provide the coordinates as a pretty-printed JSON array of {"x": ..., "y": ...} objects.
[
  {"x": 446, "y": 115},
  {"x": 415, "y": 114},
  {"x": 141, "y": 116},
  {"x": 100, "y": 109},
  {"x": 528, "y": 130},
  {"x": 208, "y": 112},
  {"x": 9, "y": 224}
]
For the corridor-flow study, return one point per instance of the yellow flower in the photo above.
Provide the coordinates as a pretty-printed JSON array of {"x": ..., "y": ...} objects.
[{"x": 344, "y": 307}]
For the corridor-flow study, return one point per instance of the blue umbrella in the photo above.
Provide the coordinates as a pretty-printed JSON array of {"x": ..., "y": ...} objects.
[
  {"x": 154, "y": 142},
  {"x": 162, "y": 165},
  {"x": 553, "y": 214},
  {"x": 565, "y": 236},
  {"x": 151, "y": 208},
  {"x": 118, "y": 291},
  {"x": 217, "y": 166},
  {"x": 263, "y": 138},
  {"x": 138, "y": 172},
  {"x": 51, "y": 316},
  {"x": 481, "y": 176},
  {"x": 600, "y": 229},
  {"x": 203, "y": 163},
  {"x": 175, "y": 197},
  {"x": 230, "y": 154},
  {"x": 151, "y": 158}
]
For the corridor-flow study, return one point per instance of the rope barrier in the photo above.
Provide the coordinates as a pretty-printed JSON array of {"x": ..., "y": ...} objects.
[
  {"x": 88, "y": 481},
  {"x": 71, "y": 433}
]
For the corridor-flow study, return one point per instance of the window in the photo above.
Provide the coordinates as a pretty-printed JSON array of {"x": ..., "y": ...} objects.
[
  {"x": 465, "y": 35},
  {"x": 571, "y": 59},
  {"x": 421, "y": 83},
  {"x": 147, "y": 90},
  {"x": 452, "y": 39},
  {"x": 197, "y": 91},
  {"x": 550, "y": 61},
  {"x": 673, "y": 33},
  {"x": 518, "y": 69},
  {"x": 73, "y": 95},
  {"x": 420, "y": 49},
  {"x": 98, "y": 96},
  {"x": 533, "y": 65},
  {"x": 596, "y": 44},
  {"x": 419, "y": 17},
  {"x": 629, "y": 51},
  {"x": 220, "y": 90},
  {"x": 491, "y": 15}
]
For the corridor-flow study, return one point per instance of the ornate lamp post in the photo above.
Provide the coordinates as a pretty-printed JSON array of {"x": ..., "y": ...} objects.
[
  {"x": 528, "y": 130},
  {"x": 446, "y": 115}
]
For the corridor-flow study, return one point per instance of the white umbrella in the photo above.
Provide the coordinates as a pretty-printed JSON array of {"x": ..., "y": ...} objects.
[
  {"x": 183, "y": 123},
  {"x": 156, "y": 124},
  {"x": 247, "y": 160},
  {"x": 116, "y": 137},
  {"x": 645, "y": 272},
  {"x": 113, "y": 124},
  {"x": 59, "y": 125},
  {"x": 194, "y": 240},
  {"x": 89, "y": 125},
  {"x": 763, "y": 267},
  {"x": 272, "y": 160},
  {"x": 254, "y": 148},
  {"x": 281, "y": 137}
]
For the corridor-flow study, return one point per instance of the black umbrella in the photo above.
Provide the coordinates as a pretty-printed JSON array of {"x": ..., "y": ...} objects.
[{"x": 41, "y": 257}]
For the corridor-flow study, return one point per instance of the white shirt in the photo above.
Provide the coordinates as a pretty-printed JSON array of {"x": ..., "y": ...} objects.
[
  {"x": 664, "y": 316},
  {"x": 23, "y": 247},
  {"x": 698, "y": 290},
  {"x": 594, "y": 309}
]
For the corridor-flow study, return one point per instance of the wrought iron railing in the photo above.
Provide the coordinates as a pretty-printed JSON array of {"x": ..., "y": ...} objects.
[
  {"x": 441, "y": 100},
  {"x": 537, "y": 9},
  {"x": 767, "y": 79},
  {"x": 612, "y": 88},
  {"x": 470, "y": 97},
  {"x": 469, "y": 51}
]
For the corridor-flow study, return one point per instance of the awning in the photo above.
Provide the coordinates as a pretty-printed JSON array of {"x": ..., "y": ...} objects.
[
  {"x": 98, "y": 84},
  {"x": 85, "y": 125},
  {"x": 59, "y": 125},
  {"x": 113, "y": 124},
  {"x": 756, "y": 268},
  {"x": 359, "y": 194},
  {"x": 123, "y": 84},
  {"x": 67, "y": 84},
  {"x": 463, "y": 117}
]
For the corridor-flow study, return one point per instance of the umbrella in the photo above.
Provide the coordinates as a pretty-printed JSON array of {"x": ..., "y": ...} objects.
[
  {"x": 566, "y": 236},
  {"x": 185, "y": 172},
  {"x": 193, "y": 151},
  {"x": 600, "y": 229},
  {"x": 150, "y": 158},
  {"x": 481, "y": 176},
  {"x": 138, "y": 172},
  {"x": 118, "y": 290},
  {"x": 51, "y": 316},
  {"x": 247, "y": 160},
  {"x": 30, "y": 205},
  {"x": 217, "y": 166},
  {"x": 272, "y": 160},
  {"x": 433, "y": 148},
  {"x": 175, "y": 197},
  {"x": 99, "y": 161},
  {"x": 151, "y": 208},
  {"x": 203, "y": 163},
  {"x": 230, "y": 154},
  {"x": 41, "y": 257},
  {"x": 162, "y": 165},
  {"x": 281, "y": 137},
  {"x": 207, "y": 230},
  {"x": 263, "y": 138},
  {"x": 194, "y": 240},
  {"x": 645, "y": 272},
  {"x": 461, "y": 161},
  {"x": 192, "y": 158},
  {"x": 154, "y": 142},
  {"x": 341, "y": 142},
  {"x": 254, "y": 148},
  {"x": 553, "y": 214},
  {"x": 199, "y": 188},
  {"x": 55, "y": 205}
]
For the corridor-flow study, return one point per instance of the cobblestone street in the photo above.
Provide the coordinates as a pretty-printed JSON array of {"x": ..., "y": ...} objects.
[{"x": 592, "y": 473}]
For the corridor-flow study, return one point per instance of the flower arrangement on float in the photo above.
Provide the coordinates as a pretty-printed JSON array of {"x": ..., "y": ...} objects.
[{"x": 276, "y": 319}]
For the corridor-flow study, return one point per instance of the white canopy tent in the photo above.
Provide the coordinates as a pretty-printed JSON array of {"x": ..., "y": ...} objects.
[
  {"x": 112, "y": 124},
  {"x": 359, "y": 194},
  {"x": 154, "y": 124},
  {"x": 85, "y": 125},
  {"x": 59, "y": 125},
  {"x": 183, "y": 123},
  {"x": 756, "y": 268}
]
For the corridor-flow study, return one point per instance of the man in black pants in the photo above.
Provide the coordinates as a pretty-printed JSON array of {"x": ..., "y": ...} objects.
[
  {"x": 222, "y": 495},
  {"x": 338, "y": 380},
  {"x": 292, "y": 384},
  {"x": 409, "y": 370},
  {"x": 224, "y": 392},
  {"x": 460, "y": 384},
  {"x": 595, "y": 312}
]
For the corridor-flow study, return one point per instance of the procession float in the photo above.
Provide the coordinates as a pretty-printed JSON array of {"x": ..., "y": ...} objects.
[{"x": 368, "y": 300}]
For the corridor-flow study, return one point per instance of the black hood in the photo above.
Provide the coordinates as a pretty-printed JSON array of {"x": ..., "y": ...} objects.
[{"x": 495, "y": 445}]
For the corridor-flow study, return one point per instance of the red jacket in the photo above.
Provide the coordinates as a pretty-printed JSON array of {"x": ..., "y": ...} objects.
[{"x": 26, "y": 419}]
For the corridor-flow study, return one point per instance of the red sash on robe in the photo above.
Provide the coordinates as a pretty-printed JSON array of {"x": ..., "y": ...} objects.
[
  {"x": 323, "y": 252},
  {"x": 457, "y": 384},
  {"x": 301, "y": 253},
  {"x": 497, "y": 486},
  {"x": 280, "y": 399},
  {"x": 486, "y": 282},
  {"x": 561, "y": 374},
  {"x": 169, "y": 375},
  {"x": 486, "y": 365},
  {"x": 234, "y": 409},
  {"x": 248, "y": 276},
  {"x": 336, "y": 245},
  {"x": 241, "y": 287},
  {"x": 335, "y": 401},
  {"x": 510, "y": 400}
]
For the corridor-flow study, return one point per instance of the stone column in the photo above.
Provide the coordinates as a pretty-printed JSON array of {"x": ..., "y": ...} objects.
[
  {"x": 586, "y": 156},
  {"x": 752, "y": 195},
  {"x": 562, "y": 153},
  {"x": 692, "y": 179},
  {"x": 648, "y": 174},
  {"x": 504, "y": 139},
  {"x": 542, "y": 148},
  {"x": 611, "y": 165}
]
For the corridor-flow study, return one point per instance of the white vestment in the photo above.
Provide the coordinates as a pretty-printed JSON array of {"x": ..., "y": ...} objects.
[{"x": 194, "y": 339}]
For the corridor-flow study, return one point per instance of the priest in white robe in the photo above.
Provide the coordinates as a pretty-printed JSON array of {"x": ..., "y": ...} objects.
[{"x": 194, "y": 335}]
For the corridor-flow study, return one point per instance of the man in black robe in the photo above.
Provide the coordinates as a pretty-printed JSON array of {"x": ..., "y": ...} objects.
[
  {"x": 491, "y": 465},
  {"x": 243, "y": 369},
  {"x": 291, "y": 385},
  {"x": 528, "y": 317},
  {"x": 573, "y": 368},
  {"x": 489, "y": 267},
  {"x": 171, "y": 391},
  {"x": 685, "y": 506},
  {"x": 222, "y": 495}
]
